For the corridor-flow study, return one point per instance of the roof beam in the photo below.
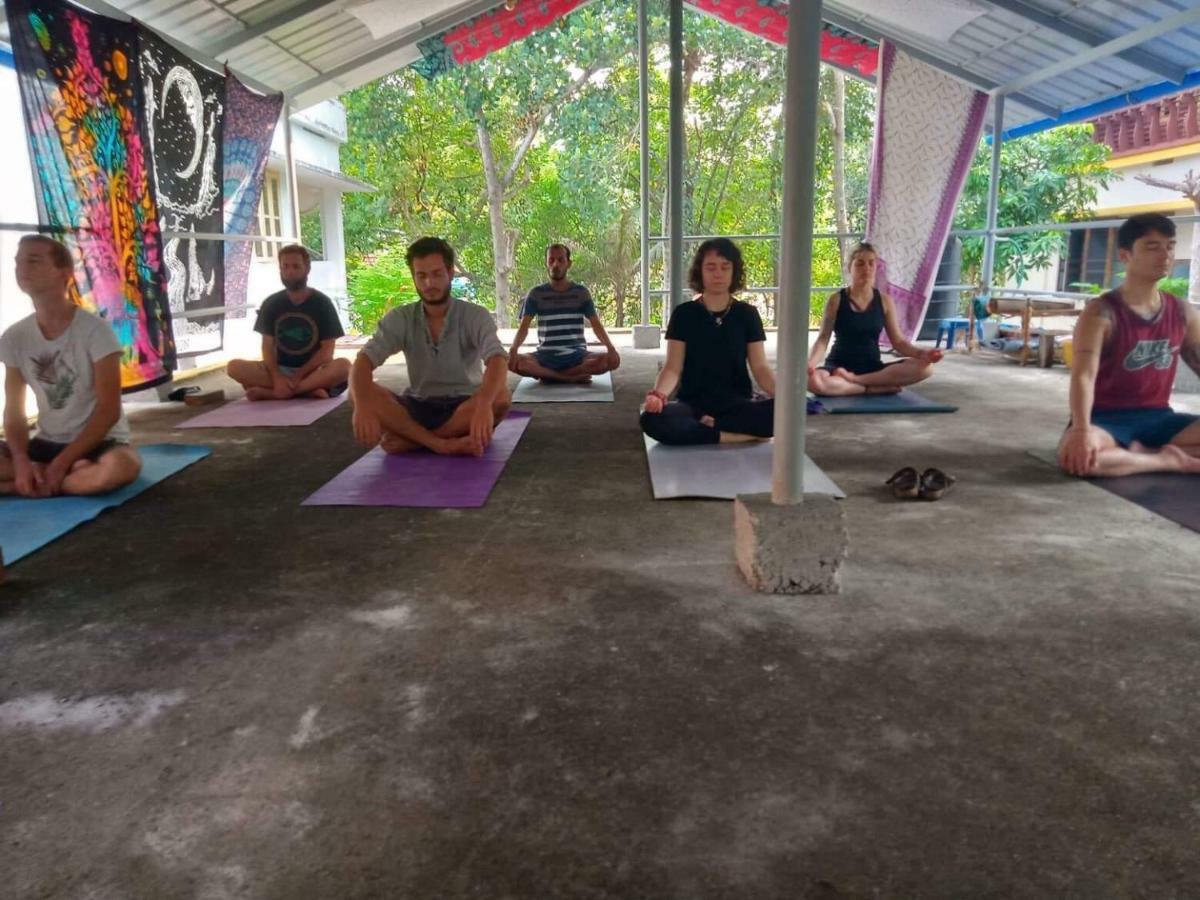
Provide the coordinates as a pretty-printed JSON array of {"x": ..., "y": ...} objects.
[
  {"x": 1140, "y": 58},
  {"x": 1103, "y": 51},
  {"x": 978, "y": 81},
  {"x": 425, "y": 29},
  {"x": 222, "y": 46}
]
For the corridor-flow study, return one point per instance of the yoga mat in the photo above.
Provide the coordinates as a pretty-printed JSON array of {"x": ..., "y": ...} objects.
[
  {"x": 1172, "y": 495},
  {"x": 722, "y": 471},
  {"x": 904, "y": 402},
  {"x": 423, "y": 478},
  {"x": 530, "y": 390},
  {"x": 243, "y": 413},
  {"x": 26, "y": 525}
]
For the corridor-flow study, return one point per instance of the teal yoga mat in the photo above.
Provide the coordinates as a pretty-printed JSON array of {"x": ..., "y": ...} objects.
[
  {"x": 904, "y": 402},
  {"x": 28, "y": 525}
]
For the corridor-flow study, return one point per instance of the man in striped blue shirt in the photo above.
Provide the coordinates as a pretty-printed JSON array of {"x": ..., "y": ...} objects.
[{"x": 561, "y": 307}]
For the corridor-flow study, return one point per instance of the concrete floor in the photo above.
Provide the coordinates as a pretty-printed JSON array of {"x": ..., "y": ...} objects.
[{"x": 211, "y": 692}]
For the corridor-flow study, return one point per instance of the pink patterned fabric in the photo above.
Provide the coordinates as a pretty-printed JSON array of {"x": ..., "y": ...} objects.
[
  {"x": 768, "y": 20},
  {"x": 927, "y": 128}
]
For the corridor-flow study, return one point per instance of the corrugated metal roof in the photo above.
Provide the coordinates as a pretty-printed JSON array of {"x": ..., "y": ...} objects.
[{"x": 1053, "y": 59}]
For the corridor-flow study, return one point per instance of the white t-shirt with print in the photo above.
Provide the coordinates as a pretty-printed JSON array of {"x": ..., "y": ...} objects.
[{"x": 61, "y": 374}]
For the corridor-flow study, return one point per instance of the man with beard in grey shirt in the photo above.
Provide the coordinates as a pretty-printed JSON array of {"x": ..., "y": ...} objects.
[{"x": 457, "y": 367}]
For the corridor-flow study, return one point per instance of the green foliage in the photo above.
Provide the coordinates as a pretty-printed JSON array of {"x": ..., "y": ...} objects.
[
  {"x": 1176, "y": 286},
  {"x": 1053, "y": 176},
  {"x": 311, "y": 235},
  {"x": 376, "y": 284},
  {"x": 418, "y": 141}
]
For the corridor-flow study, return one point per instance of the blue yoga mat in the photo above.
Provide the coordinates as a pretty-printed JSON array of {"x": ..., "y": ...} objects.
[
  {"x": 904, "y": 402},
  {"x": 27, "y": 525}
]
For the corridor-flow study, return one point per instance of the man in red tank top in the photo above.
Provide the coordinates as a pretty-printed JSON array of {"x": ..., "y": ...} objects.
[{"x": 1128, "y": 343}]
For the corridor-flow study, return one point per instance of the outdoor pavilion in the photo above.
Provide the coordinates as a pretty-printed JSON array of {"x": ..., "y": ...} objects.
[{"x": 539, "y": 700}]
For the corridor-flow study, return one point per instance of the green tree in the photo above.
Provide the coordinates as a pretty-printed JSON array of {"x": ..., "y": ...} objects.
[{"x": 1052, "y": 176}]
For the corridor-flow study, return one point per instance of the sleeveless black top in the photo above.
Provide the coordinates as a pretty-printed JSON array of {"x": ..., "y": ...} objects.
[{"x": 856, "y": 335}]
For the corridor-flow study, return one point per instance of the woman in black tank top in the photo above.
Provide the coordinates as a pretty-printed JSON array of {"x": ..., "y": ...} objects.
[{"x": 854, "y": 317}]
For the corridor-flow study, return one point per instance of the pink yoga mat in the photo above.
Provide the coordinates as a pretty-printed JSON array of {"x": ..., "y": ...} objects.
[
  {"x": 242, "y": 413},
  {"x": 423, "y": 478}
]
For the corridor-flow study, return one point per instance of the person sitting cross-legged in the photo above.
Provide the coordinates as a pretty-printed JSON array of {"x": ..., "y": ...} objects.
[
  {"x": 72, "y": 360},
  {"x": 299, "y": 327},
  {"x": 854, "y": 317},
  {"x": 561, "y": 307},
  {"x": 1127, "y": 346},
  {"x": 457, "y": 368},
  {"x": 710, "y": 341}
]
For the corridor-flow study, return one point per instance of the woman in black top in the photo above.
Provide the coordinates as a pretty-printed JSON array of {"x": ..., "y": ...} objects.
[
  {"x": 709, "y": 343},
  {"x": 855, "y": 316}
]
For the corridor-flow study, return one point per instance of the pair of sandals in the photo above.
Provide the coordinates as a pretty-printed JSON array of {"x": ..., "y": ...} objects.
[{"x": 931, "y": 484}]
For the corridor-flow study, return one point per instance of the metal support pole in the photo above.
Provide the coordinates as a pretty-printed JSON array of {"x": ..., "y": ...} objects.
[
  {"x": 799, "y": 153},
  {"x": 644, "y": 147},
  {"x": 675, "y": 158},
  {"x": 989, "y": 241},
  {"x": 293, "y": 185}
]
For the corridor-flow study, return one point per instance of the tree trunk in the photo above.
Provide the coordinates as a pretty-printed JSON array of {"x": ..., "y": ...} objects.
[
  {"x": 839, "y": 162},
  {"x": 501, "y": 251}
]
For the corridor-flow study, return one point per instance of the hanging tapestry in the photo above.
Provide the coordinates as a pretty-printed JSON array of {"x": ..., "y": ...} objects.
[
  {"x": 81, "y": 95},
  {"x": 499, "y": 27},
  {"x": 927, "y": 128},
  {"x": 768, "y": 20},
  {"x": 494, "y": 30},
  {"x": 250, "y": 120},
  {"x": 184, "y": 103}
]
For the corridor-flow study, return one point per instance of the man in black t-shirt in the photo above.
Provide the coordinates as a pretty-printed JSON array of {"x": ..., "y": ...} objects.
[{"x": 299, "y": 327}]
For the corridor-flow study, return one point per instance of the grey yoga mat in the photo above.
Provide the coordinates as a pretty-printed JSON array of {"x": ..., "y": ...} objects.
[{"x": 722, "y": 471}]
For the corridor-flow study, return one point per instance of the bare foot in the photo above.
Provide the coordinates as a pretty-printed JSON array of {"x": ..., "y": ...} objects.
[
  {"x": 882, "y": 389},
  {"x": 318, "y": 394},
  {"x": 709, "y": 421},
  {"x": 1183, "y": 460},
  {"x": 582, "y": 379},
  {"x": 393, "y": 443},
  {"x": 845, "y": 375},
  {"x": 459, "y": 446},
  {"x": 80, "y": 464},
  {"x": 256, "y": 393}
]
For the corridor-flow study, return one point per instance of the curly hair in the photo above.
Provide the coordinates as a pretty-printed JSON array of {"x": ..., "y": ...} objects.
[
  {"x": 726, "y": 249},
  {"x": 428, "y": 246}
]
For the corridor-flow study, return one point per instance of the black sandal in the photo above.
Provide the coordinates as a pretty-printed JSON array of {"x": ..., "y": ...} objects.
[
  {"x": 935, "y": 483},
  {"x": 904, "y": 483}
]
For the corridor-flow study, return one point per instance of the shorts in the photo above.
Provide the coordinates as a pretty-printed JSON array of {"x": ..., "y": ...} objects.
[
  {"x": 43, "y": 451},
  {"x": 862, "y": 370},
  {"x": 560, "y": 362},
  {"x": 431, "y": 413},
  {"x": 1153, "y": 427}
]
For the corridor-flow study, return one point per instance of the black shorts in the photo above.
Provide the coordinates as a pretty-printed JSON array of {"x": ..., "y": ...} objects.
[
  {"x": 863, "y": 369},
  {"x": 430, "y": 413},
  {"x": 44, "y": 452}
]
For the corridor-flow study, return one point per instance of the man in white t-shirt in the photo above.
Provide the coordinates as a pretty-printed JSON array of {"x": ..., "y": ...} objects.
[{"x": 72, "y": 360}]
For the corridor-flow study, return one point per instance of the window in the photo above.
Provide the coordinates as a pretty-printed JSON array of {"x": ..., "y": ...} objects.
[{"x": 270, "y": 223}]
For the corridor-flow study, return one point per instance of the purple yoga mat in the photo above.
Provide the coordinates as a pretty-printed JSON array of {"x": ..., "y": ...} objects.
[
  {"x": 242, "y": 413},
  {"x": 423, "y": 478}
]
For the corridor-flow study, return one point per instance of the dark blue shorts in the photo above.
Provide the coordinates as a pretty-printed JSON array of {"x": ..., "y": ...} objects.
[
  {"x": 559, "y": 362},
  {"x": 1152, "y": 427}
]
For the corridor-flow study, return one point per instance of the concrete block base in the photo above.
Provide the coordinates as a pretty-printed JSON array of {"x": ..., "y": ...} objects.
[
  {"x": 790, "y": 549},
  {"x": 646, "y": 337}
]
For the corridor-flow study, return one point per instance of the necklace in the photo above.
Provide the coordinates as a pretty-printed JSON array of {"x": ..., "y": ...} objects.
[{"x": 719, "y": 317}]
